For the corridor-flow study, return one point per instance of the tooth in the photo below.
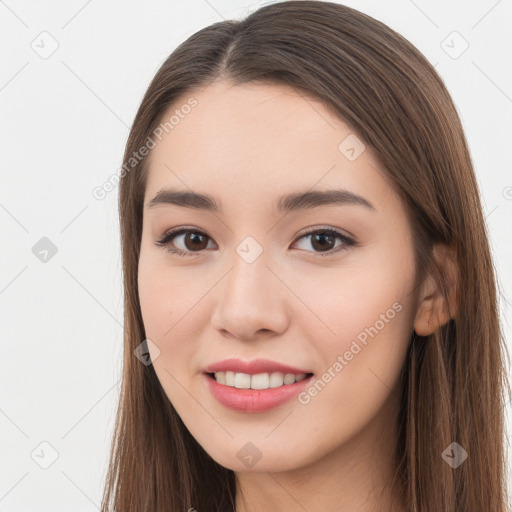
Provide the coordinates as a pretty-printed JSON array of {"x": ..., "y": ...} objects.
[
  {"x": 276, "y": 380},
  {"x": 242, "y": 381},
  {"x": 220, "y": 377},
  {"x": 289, "y": 378},
  {"x": 260, "y": 381},
  {"x": 230, "y": 378}
]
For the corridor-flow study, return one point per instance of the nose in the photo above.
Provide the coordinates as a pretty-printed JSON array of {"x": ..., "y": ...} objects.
[{"x": 251, "y": 301}]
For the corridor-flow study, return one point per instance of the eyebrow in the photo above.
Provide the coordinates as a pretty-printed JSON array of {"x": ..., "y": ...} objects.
[{"x": 285, "y": 203}]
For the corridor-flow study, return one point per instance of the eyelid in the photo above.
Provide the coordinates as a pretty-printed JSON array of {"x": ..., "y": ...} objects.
[
  {"x": 348, "y": 240},
  {"x": 170, "y": 234},
  {"x": 314, "y": 228}
]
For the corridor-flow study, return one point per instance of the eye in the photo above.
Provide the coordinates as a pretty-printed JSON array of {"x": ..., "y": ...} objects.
[
  {"x": 323, "y": 240},
  {"x": 195, "y": 241}
]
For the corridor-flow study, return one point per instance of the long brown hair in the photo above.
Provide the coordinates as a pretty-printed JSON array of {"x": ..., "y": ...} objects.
[{"x": 454, "y": 381}]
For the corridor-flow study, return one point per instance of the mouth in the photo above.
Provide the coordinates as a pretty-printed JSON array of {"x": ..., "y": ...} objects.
[
  {"x": 255, "y": 393},
  {"x": 259, "y": 381}
]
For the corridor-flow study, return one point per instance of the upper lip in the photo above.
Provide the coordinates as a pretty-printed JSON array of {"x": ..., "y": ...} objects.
[{"x": 252, "y": 367}]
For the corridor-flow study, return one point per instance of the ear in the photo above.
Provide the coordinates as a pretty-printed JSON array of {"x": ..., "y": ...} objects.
[{"x": 434, "y": 309}]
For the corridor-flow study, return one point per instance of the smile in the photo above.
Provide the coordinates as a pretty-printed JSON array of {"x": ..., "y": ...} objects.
[
  {"x": 255, "y": 393},
  {"x": 259, "y": 381}
]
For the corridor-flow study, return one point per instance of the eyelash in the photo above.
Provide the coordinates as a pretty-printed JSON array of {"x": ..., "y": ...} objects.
[{"x": 170, "y": 235}]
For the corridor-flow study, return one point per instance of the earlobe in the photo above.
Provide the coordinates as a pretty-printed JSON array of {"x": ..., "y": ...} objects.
[{"x": 435, "y": 309}]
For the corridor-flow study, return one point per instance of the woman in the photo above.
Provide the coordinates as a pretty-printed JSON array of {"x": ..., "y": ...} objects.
[{"x": 309, "y": 291}]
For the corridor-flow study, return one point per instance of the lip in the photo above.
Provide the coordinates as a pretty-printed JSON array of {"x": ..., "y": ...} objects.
[
  {"x": 254, "y": 400},
  {"x": 253, "y": 367}
]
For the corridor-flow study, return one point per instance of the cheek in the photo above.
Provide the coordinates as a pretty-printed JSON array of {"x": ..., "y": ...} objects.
[
  {"x": 160, "y": 312},
  {"x": 170, "y": 302},
  {"x": 162, "y": 307},
  {"x": 345, "y": 302},
  {"x": 363, "y": 351},
  {"x": 363, "y": 313},
  {"x": 154, "y": 301},
  {"x": 165, "y": 295}
]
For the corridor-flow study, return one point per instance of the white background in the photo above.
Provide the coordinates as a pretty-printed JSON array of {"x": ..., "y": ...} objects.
[{"x": 64, "y": 124}]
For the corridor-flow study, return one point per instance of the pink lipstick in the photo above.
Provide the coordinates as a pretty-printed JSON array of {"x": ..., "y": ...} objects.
[{"x": 275, "y": 383}]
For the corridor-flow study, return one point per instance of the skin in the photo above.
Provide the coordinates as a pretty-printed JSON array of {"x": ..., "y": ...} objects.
[{"x": 245, "y": 146}]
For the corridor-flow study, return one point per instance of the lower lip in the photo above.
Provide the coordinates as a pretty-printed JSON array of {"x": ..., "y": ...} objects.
[{"x": 254, "y": 400}]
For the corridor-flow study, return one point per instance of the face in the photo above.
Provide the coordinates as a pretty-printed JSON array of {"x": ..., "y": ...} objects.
[{"x": 322, "y": 285}]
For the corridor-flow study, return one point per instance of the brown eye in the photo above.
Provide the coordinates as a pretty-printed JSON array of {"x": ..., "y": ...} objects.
[
  {"x": 191, "y": 241},
  {"x": 324, "y": 241},
  {"x": 195, "y": 241}
]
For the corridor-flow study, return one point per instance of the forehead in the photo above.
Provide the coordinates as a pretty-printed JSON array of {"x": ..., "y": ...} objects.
[{"x": 254, "y": 139}]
